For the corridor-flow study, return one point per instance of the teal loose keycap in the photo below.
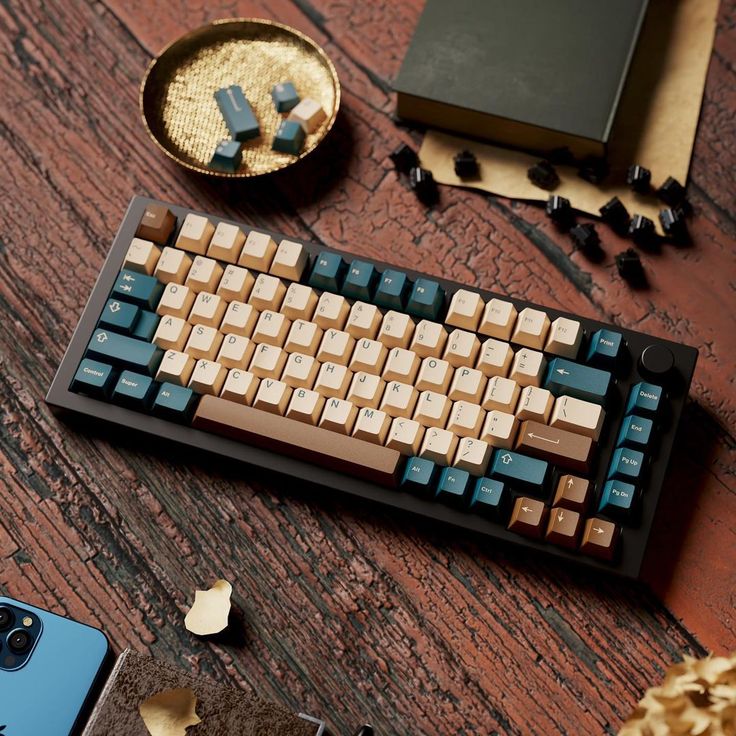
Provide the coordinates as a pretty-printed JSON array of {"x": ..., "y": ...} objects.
[
  {"x": 489, "y": 497},
  {"x": 124, "y": 352},
  {"x": 426, "y": 299},
  {"x": 237, "y": 112},
  {"x": 520, "y": 471},
  {"x": 327, "y": 272},
  {"x": 134, "y": 390},
  {"x": 142, "y": 290},
  {"x": 145, "y": 327},
  {"x": 228, "y": 156},
  {"x": 359, "y": 281},
  {"x": 579, "y": 381},
  {"x": 644, "y": 398},
  {"x": 605, "y": 349},
  {"x": 93, "y": 378},
  {"x": 284, "y": 96},
  {"x": 626, "y": 464},
  {"x": 119, "y": 316},
  {"x": 289, "y": 137},
  {"x": 452, "y": 485},
  {"x": 391, "y": 290},
  {"x": 617, "y": 498},
  {"x": 419, "y": 476},
  {"x": 635, "y": 432},
  {"x": 174, "y": 402}
]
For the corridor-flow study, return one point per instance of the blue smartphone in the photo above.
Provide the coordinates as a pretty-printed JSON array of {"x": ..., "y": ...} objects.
[{"x": 50, "y": 670}]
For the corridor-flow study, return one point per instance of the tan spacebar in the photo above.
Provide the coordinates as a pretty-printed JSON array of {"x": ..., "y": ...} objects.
[{"x": 297, "y": 439}]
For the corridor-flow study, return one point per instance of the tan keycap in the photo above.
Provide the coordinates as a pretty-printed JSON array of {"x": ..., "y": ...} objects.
[
  {"x": 502, "y": 394},
  {"x": 465, "y": 310},
  {"x": 498, "y": 319},
  {"x": 204, "y": 275},
  {"x": 399, "y": 399},
  {"x": 528, "y": 367},
  {"x": 176, "y": 300},
  {"x": 258, "y": 251},
  {"x": 396, "y": 330},
  {"x": 499, "y": 429},
  {"x": 236, "y": 351},
  {"x": 300, "y": 371},
  {"x": 272, "y": 396},
  {"x": 268, "y": 361},
  {"x": 195, "y": 234},
  {"x": 271, "y": 328},
  {"x": 305, "y": 406},
  {"x": 462, "y": 348},
  {"x": 472, "y": 455},
  {"x": 429, "y": 339},
  {"x": 468, "y": 384},
  {"x": 532, "y": 326},
  {"x": 299, "y": 302},
  {"x": 290, "y": 260},
  {"x": 366, "y": 390},
  {"x": 268, "y": 292},
  {"x": 172, "y": 333},
  {"x": 240, "y": 319},
  {"x": 208, "y": 377},
  {"x": 173, "y": 265},
  {"x": 405, "y": 435},
  {"x": 435, "y": 374},
  {"x": 142, "y": 256},
  {"x": 364, "y": 320},
  {"x": 432, "y": 409},
  {"x": 372, "y": 425},
  {"x": 208, "y": 309},
  {"x": 558, "y": 446},
  {"x": 573, "y": 493},
  {"x": 304, "y": 337},
  {"x": 581, "y": 417},
  {"x": 535, "y": 403},
  {"x": 175, "y": 367},
  {"x": 495, "y": 358},
  {"x": 226, "y": 244},
  {"x": 236, "y": 284},
  {"x": 336, "y": 346},
  {"x": 401, "y": 365},
  {"x": 465, "y": 419},
  {"x": 203, "y": 342},
  {"x": 339, "y": 416},
  {"x": 240, "y": 386},
  {"x": 438, "y": 445},
  {"x": 332, "y": 311},
  {"x": 333, "y": 380},
  {"x": 368, "y": 356},
  {"x": 565, "y": 337}
]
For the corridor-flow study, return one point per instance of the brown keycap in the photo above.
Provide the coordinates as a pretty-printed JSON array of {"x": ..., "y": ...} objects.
[
  {"x": 528, "y": 517},
  {"x": 572, "y": 493},
  {"x": 297, "y": 439},
  {"x": 564, "y": 527},
  {"x": 558, "y": 446},
  {"x": 600, "y": 539},
  {"x": 157, "y": 224}
]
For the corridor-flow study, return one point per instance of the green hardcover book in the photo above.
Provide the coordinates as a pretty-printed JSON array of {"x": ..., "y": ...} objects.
[{"x": 532, "y": 74}]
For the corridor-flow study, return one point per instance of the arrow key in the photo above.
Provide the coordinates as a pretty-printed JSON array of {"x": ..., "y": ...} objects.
[
  {"x": 564, "y": 527},
  {"x": 600, "y": 538},
  {"x": 528, "y": 517},
  {"x": 572, "y": 493}
]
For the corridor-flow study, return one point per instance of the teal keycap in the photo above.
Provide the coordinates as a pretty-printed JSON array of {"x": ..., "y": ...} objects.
[
  {"x": 519, "y": 471},
  {"x": 93, "y": 378},
  {"x": 237, "y": 112},
  {"x": 328, "y": 272},
  {"x": 579, "y": 381},
  {"x": 359, "y": 281},
  {"x": 133, "y": 389},
  {"x": 426, "y": 299},
  {"x": 284, "y": 96},
  {"x": 142, "y": 290},
  {"x": 391, "y": 290},
  {"x": 228, "y": 156},
  {"x": 605, "y": 348},
  {"x": 289, "y": 137},
  {"x": 419, "y": 475},
  {"x": 452, "y": 485},
  {"x": 635, "y": 432},
  {"x": 124, "y": 352},
  {"x": 644, "y": 398},
  {"x": 145, "y": 327},
  {"x": 174, "y": 402},
  {"x": 489, "y": 497},
  {"x": 119, "y": 316},
  {"x": 617, "y": 498},
  {"x": 626, "y": 464}
]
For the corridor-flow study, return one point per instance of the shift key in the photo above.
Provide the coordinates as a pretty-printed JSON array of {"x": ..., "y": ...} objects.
[
  {"x": 566, "y": 449},
  {"x": 124, "y": 352}
]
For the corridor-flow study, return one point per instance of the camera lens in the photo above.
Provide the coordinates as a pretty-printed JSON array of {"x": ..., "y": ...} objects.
[
  {"x": 19, "y": 641},
  {"x": 6, "y": 618}
]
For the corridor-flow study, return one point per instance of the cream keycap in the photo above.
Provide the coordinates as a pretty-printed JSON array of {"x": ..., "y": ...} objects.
[
  {"x": 208, "y": 309},
  {"x": 272, "y": 396},
  {"x": 258, "y": 251},
  {"x": 399, "y": 399},
  {"x": 578, "y": 416},
  {"x": 290, "y": 260},
  {"x": 304, "y": 337},
  {"x": 465, "y": 419},
  {"x": 175, "y": 367},
  {"x": 405, "y": 435},
  {"x": 438, "y": 445},
  {"x": 208, "y": 377},
  {"x": 268, "y": 361},
  {"x": 240, "y": 319},
  {"x": 501, "y": 394},
  {"x": 495, "y": 358},
  {"x": 332, "y": 311},
  {"x": 364, "y": 320},
  {"x": 462, "y": 348},
  {"x": 300, "y": 301},
  {"x": 433, "y": 409},
  {"x": 336, "y": 346},
  {"x": 565, "y": 337},
  {"x": 372, "y": 425},
  {"x": 236, "y": 284},
  {"x": 142, "y": 256},
  {"x": 498, "y": 320},
  {"x": 271, "y": 328},
  {"x": 226, "y": 244},
  {"x": 499, "y": 429},
  {"x": 300, "y": 371},
  {"x": 429, "y": 339},
  {"x": 535, "y": 404},
  {"x": 366, "y": 390},
  {"x": 465, "y": 310},
  {"x": 472, "y": 455},
  {"x": 176, "y": 300},
  {"x": 172, "y": 333},
  {"x": 333, "y": 380},
  {"x": 468, "y": 384},
  {"x": 532, "y": 326},
  {"x": 339, "y": 416},
  {"x": 204, "y": 275},
  {"x": 401, "y": 365},
  {"x": 203, "y": 342},
  {"x": 305, "y": 406},
  {"x": 268, "y": 292},
  {"x": 240, "y": 386},
  {"x": 396, "y": 330},
  {"x": 173, "y": 265},
  {"x": 195, "y": 234},
  {"x": 368, "y": 356},
  {"x": 435, "y": 374},
  {"x": 236, "y": 351},
  {"x": 528, "y": 367}
]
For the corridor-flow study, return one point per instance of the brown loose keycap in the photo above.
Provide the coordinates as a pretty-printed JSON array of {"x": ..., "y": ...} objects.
[
  {"x": 157, "y": 224},
  {"x": 528, "y": 517},
  {"x": 600, "y": 538},
  {"x": 572, "y": 493},
  {"x": 566, "y": 449},
  {"x": 296, "y": 439},
  {"x": 563, "y": 527}
]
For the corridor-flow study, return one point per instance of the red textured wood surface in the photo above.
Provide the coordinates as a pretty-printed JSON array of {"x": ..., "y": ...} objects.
[{"x": 347, "y": 612}]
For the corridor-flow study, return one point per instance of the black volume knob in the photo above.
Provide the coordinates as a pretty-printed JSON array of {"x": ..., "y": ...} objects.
[{"x": 656, "y": 362}]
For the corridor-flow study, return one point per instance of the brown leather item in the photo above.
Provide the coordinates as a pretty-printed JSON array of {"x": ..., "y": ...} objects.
[
  {"x": 157, "y": 224},
  {"x": 558, "y": 446},
  {"x": 224, "y": 711},
  {"x": 296, "y": 439}
]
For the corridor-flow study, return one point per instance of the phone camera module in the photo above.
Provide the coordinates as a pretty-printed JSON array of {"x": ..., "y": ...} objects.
[
  {"x": 7, "y": 619},
  {"x": 19, "y": 641}
]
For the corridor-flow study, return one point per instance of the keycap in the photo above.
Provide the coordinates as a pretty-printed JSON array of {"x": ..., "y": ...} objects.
[
  {"x": 519, "y": 471},
  {"x": 142, "y": 256},
  {"x": 638, "y": 178},
  {"x": 565, "y": 337},
  {"x": 340, "y": 416},
  {"x": 439, "y": 445},
  {"x": 237, "y": 113},
  {"x": 289, "y": 137},
  {"x": 172, "y": 333},
  {"x": 195, "y": 234},
  {"x": 328, "y": 272},
  {"x": 272, "y": 396},
  {"x": 462, "y": 348},
  {"x": 432, "y": 409},
  {"x": 452, "y": 485},
  {"x": 605, "y": 349},
  {"x": 419, "y": 475},
  {"x": 579, "y": 381},
  {"x": 360, "y": 281},
  {"x": 236, "y": 284},
  {"x": 423, "y": 185},
  {"x": 145, "y": 327},
  {"x": 465, "y": 310},
  {"x": 93, "y": 378},
  {"x": 528, "y": 517},
  {"x": 300, "y": 301},
  {"x": 175, "y": 367},
  {"x": 472, "y": 455},
  {"x": 240, "y": 386},
  {"x": 208, "y": 309},
  {"x": 290, "y": 261},
  {"x": 600, "y": 538},
  {"x": 226, "y": 243},
  {"x": 399, "y": 399},
  {"x": 563, "y": 527},
  {"x": 396, "y": 330},
  {"x": 573, "y": 493},
  {"x": 468, "y": 384},
  {"x": 305, "y": 406},
  {"x": 630, "y": 268},
  {"x": 369, "y": 356},
  {"x": 615, "y": 215},
  {"x": 236, "y": 351},
  {"x": 157, "y": 224},
  {"x": 527, "y": 368},
  {"x": 405, "y": 435},
  {"x": 644, "y": 398},
  {"x": 617, "y": 497},
  {"x": 204, "y": 342},
  {"x": 119, "y": 316},
  {"x": 488, "y": 498},
  {"x": 498, "y": 320},
  {"x": 372, "y": 425},
  {"x": 566, "y": 449},
  {"x": 426, "y": 299},
  {"x": 366, "y": 390},
  {"x": 635, "y": 432},
  {"x": 208, "y": 377},
  {"x": 580, "y": 417},
  {"x": 543, "y": 175},
  {"x": 137, "y": 288},
  {"x": 134, "y": 390},
  {"x": 499, "y": 429},
  {"x": 271, "y": 328},
  {"x": 176, "y": 301},
  {"x": 626, "y": 464},
  {"x": 239, "y": 319},
  {"x": 284, "y": 96},
  {"x": 227, "y": 155},
  {"x": 332, "y": 310},
  {"x": 535, "y": 403},
  {"x": 364, "y": 320},
  {"x": 309, "y": 114},
  {"x": 268, "y": 292},
  {"x": 466, "y": 165},
  {"x": 401, "y": 365},
  {"x": 532, "y": 326},
  {"x": 391, "y": 290},
  {"x": 558, "y": 210},
  {"x": 501, "y": 394},
  {"x": 671, "y": 192},
  {"x": 465, "y": 419},
  {"x": 641, "y": 231},
  {"x": 124, "y": 352},
  {"x": 404, "y": 159},
  {"x": 173, "y": 265},
  {"x": 495, "y": 358},
  {"x": 174, "y": 402}
]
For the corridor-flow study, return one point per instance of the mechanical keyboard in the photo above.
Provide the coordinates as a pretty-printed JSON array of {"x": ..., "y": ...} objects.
[{"x": 508, "y": 419}]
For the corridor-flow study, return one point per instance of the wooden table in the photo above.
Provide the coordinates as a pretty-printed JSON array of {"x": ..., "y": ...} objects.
[{"x": 348, "y": 612}]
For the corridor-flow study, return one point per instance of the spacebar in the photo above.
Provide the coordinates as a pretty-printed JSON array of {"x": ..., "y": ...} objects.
[{"x": 299, "y": 440}]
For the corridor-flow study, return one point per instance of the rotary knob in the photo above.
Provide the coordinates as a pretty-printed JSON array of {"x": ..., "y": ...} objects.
[{"x": 657, "y": 363}]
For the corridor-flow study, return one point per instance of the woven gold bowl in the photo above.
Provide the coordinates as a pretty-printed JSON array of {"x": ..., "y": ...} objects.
[{"x": 177, "y": 92}]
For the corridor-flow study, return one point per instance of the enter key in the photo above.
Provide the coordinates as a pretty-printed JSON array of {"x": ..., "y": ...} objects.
[{"x": 566, "y": 449}]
